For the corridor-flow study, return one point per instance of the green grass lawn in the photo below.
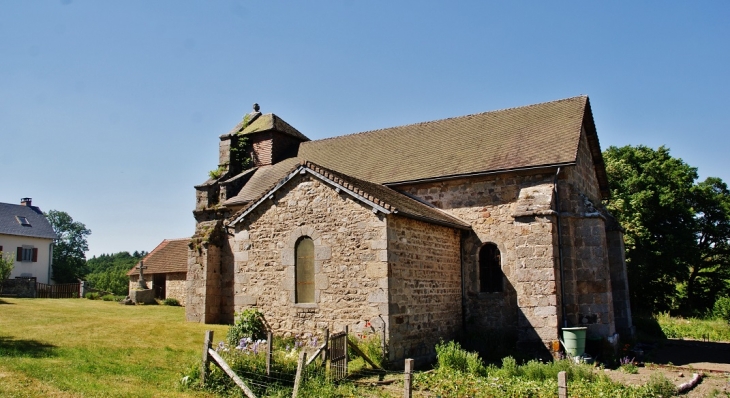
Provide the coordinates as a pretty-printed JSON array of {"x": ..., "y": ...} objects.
[{"x": 79, "y": 347}]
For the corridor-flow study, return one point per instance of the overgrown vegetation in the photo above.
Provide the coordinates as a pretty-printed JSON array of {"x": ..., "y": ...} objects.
[
  {"x": 462, "y": 374},
  {"x": 249, "y": 323},
  {"x": 240, "y": 155}
]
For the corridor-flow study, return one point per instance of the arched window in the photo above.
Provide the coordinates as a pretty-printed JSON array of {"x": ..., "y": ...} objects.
[
  {"x": 490, "y": 269},
  {"x": 305, "y": 270}
]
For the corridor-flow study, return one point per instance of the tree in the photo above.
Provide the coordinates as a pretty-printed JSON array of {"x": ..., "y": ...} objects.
[
  {"x": 7, "y": 263},
  {"x": 676, "y": 231},
  {"x": 710, "y": 266},
  {"x": 108, "y": 272},
  {"x": 69, "y": 260}
]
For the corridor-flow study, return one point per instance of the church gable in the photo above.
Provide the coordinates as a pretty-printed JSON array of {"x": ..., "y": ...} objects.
[{"x": 308, "y": 223}]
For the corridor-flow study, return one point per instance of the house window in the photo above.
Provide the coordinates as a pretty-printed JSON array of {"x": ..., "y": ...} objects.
[
  {"x": 23, "y": 221},
  {"x": 490, "y": 269},
  {"x": 27, "y": 254},
  {"x": 305, "y": 270}
]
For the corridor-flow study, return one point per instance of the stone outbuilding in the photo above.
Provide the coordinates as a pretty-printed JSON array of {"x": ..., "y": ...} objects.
[
  {"x": 481, "y": 223},
  {"x": 166, "y": 272}
]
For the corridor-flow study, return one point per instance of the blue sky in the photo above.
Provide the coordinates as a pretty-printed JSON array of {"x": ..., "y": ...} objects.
[{"x": 111, "y": 111}]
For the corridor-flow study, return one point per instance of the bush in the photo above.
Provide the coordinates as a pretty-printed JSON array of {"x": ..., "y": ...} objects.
[
  {"x": 249, "y": 323},
  {"x": 110, "y": 297},
  {"x": 721, "y": 309},
  {"x": 92, "y": 296},
  {"x": 659, "y": 386},
  {"x": 450, "y": 355},
  {"x": 171, "y": 302}
]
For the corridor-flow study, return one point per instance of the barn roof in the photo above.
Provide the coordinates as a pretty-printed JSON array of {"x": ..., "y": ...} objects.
[{"x": 169, "y": 256}]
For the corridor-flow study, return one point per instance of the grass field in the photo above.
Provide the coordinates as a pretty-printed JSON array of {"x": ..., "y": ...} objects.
[{"x": 78, "y": 347}]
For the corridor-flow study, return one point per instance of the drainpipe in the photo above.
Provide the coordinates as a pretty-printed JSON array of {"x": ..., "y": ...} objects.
[
  {"x": 560, "y": 250},
  {"x": 462, "y": 238},
  {"x": 50, "y": 263}
]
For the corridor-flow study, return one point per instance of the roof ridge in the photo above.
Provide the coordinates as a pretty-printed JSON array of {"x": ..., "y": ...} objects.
[{"x": 448, "y": 118}]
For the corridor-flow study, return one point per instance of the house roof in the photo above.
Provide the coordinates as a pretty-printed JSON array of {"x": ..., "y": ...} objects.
[
  {"x": 533, "y": 136},
  {"x": 378, "y": 196},
  {"x": 169, "y": 256},
  {"x": 36, "y": 227},
  {"x": 267, "y": 122}
]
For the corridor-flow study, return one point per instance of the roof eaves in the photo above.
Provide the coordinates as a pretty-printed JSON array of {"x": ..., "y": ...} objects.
[
  {"x": 598, "y": 163},
  {"x": 479, "y": 173},
  {"x": 337, "y": 183}
]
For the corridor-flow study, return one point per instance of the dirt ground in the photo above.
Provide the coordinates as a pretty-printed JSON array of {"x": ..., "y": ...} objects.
[{"x": 679, "y": 359}]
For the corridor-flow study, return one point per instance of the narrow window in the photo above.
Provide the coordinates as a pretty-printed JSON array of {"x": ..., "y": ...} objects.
[
  {"x": 490, "y": 268},
  {"x": 305, "y": 270}
]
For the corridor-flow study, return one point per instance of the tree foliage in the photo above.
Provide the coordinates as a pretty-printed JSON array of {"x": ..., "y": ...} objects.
[
  {"x": 108, "y": 272},
  {"x": 69, "y": 258},
  {"x": 676, "y": 230},
  {"x": 7, "y": 263}
]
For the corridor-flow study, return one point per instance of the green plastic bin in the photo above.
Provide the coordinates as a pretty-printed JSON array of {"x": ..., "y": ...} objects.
[{"x": 574, "y": 340}]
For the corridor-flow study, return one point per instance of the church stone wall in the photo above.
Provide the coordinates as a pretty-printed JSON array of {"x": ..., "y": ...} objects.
[
  {"x": 586, "y": 248},
  {"x": 351, "y": 279},
  {"x": 528, "y": 247},
  {"x": 424, "y": 287}
]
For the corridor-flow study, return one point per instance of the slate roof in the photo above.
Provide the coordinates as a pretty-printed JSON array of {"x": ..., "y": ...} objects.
[
  {"x": 387, "y": 198},
  {"x": 540, "y": 135},
  {"x": 263, "y": 178},
  {"x": 39, "y": 226},
  {"x": 169, "y": 256},
  {"x": 267, "y": 122}
]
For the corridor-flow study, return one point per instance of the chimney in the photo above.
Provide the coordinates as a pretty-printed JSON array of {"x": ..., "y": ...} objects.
[{"x": 25, "y": 202}]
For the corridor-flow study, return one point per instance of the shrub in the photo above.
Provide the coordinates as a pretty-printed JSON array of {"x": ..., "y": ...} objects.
[
  {"x": 249, "y": 323},
  {"x": 450, "y": 355},
  {"x": 110, "y": 297},
  {"x": 659, "y": 386},
  {"x": 92, "y": 296},
  {"x": 721, "y": 309},
  {"x": 171, "y": 302}
]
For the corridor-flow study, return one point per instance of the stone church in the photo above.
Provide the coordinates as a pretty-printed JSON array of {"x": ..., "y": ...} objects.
[{"x": 483, "y": 222}]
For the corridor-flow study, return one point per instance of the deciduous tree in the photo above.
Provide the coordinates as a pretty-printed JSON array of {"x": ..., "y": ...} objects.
[{"x": 69, "y": 258}]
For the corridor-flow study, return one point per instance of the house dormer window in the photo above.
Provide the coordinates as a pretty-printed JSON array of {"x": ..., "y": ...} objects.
[{"x": 23, "y": 221}]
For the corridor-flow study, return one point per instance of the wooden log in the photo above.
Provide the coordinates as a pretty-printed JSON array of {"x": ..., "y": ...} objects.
[
  {"x": 298, "y": 378},
  {"x": 359, "y": 352},
  {"x": 562, "y": 385},
  {"x": 408, "y": 379},
  {"x": 207, "y": 342},
  {"x": 224, "y": 366},
  {"x": 684, "y": 387},
  {"x": 316, "y": 353}
]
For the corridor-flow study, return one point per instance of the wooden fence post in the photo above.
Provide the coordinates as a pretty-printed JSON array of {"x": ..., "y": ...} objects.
[
  {"x": 269, "y": 352},
  {"x": 300, "y": 368},
  {"x": 562, "y": 385},
  {"x": 408, "y": 379},
  {"x": 347, "y": 360},
  {"x": 325, "y": 353},
  {"x": 206, "y": 346}
]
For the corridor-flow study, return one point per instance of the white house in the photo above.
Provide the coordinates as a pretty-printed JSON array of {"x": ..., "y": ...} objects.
[{"x": 26, "y": 233}]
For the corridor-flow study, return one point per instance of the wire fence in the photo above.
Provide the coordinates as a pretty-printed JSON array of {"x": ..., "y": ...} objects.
[{"x": 257, "y": 376}]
